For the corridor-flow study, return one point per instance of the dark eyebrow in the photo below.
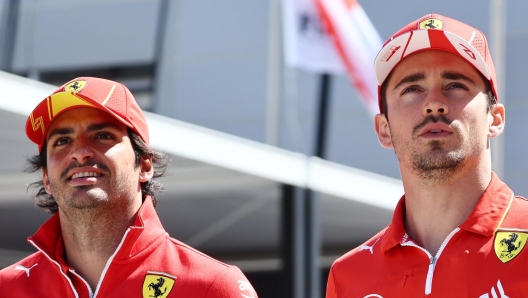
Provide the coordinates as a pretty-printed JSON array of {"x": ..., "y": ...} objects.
[
  {"x": 60, "y": 131},
  {"x": 456, "y": 76},
  {"x": 99, "y": 126},
  {"x": 92, "y": 127},
  {"x": 410, "y": 79}
]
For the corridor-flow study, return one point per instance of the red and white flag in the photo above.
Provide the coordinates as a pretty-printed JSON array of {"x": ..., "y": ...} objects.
[
  {"x": 307, "y": 45},
  {"x": 357, "y": 43}
]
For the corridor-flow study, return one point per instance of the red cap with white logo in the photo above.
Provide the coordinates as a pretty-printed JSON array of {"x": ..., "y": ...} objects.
[
  {"x": 109, "y": 96},
  {"x": 436, "y": 32}
]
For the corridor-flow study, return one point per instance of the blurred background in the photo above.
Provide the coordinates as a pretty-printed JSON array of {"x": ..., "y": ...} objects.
[{"x": 219, "y": 67}]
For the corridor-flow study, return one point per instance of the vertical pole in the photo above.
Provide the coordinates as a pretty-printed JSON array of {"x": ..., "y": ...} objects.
[
  {"x": 498, "y": 51},
  {"x": 158, "y": 51},
  {"x": 293, "y": 252},
  {"x": 313, "y": 244},
  {"x": 313, "y": 210},
  {"x": 8, "y": 34},
  {"x": 273, "y": 90},
  {"x": 322, "y": 119}
]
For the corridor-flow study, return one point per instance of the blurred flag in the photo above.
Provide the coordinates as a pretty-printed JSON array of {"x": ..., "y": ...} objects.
[
  {"x": 307, "y": 44},
  {"x": 357, "y": 42}
]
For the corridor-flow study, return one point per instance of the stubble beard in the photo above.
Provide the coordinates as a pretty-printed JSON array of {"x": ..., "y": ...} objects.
[
  {"x": 90, "y": 198},
  {"x": 81, "y": 198},
  {"x": 437, "y": 164}
]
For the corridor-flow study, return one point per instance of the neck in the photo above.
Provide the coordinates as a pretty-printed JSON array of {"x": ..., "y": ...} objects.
[
  {"x": 92, "y": 236},
  {"x": 435, "y": 209}
]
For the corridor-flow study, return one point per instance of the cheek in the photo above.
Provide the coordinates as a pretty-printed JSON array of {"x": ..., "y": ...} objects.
[
  {"x": 52, "y": 162},
  {"x": 121, "y": 156}
]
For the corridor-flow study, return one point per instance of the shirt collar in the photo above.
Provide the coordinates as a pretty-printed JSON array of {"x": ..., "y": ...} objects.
[
  {"x": 485, "y": 219},
  {"x": 146, "y": 229},
  {"x": 491, "y": 209}
]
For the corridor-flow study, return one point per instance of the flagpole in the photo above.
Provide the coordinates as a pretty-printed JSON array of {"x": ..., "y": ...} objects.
[
  {"x": 322, "y": 119},
  {"x": 498, "y": 51},
  {"x": 313, "y": 205}
]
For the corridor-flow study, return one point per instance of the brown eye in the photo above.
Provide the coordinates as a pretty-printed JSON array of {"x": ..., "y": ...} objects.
[
  {"x": 104, "y": 136},
  {"x": 61, "y": 141},
  {"x": 457, "y": 86},
  {"x": 409, "y": 89}
]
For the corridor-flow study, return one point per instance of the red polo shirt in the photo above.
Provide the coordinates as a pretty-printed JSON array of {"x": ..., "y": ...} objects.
[
  {"x": 148, "y": 263},
  {"x": 485, "y": 257}
]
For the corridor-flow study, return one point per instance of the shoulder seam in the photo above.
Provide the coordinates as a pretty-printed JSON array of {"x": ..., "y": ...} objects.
[{"x": 185, "y": 246}]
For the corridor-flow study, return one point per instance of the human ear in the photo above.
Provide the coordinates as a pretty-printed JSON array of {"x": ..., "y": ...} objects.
[
  {"x": 147, "y": 169},
  {"x": 498, "y": 119},
  {"x": 381, "y": 125},
  {"x": 45, "y": 181}
]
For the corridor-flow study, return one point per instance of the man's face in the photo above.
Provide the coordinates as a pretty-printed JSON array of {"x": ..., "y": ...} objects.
[
  {"x": 438, "y": 114},
  {"x": 90, "y": 161}
]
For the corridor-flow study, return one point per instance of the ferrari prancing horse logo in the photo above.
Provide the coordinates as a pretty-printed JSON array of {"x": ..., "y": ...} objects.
[
  {"x": 509, "y": 244},
  {"x": 158, "y": 284},
  {"x": 431, "y": 24},
  {"x": 75, "y": 86}
]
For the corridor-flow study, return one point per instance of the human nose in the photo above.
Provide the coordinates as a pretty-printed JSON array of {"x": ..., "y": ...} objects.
[
  {"x": 436, "y": 105},
  {"x": 81, "y": 152}
]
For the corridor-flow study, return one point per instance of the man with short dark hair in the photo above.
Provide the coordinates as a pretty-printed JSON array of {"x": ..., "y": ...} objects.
[
  {"x": 99, "y": 179},
  {"x": 458, "y": 231}
]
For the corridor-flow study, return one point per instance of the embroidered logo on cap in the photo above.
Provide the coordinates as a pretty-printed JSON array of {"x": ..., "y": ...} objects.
[
  {"x": 158, "y": 284},
  {"x": 390, "y": 52},
  {"x": 469, "y": 52},
  {"x": 75, "y": 86},
  {"x": 37, "y": 123},
  {"x": 509, "y": 244},
  {"x": 431, "y": 24}
]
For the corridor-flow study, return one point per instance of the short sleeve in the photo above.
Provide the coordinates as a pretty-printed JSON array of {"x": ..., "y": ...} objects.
[{"x": 231, "y": 283}]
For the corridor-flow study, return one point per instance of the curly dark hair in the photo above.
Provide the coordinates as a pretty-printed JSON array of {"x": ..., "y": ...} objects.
[{"x": 160, "y": 161}]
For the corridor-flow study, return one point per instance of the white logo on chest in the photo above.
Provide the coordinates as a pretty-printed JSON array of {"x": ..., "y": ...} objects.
[
  {"x": 371, "y": 248},
  {"x": 20, "y": 267},
  {"x": 494, "y": 293}
]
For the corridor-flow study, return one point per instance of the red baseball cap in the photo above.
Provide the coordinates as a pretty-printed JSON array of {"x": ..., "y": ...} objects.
[
  {"x": 436, "y": 32},
  {"x": 109, "y": 96}
]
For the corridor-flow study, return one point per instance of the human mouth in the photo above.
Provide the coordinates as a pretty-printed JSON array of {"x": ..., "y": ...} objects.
[
  {"x": 433, "y": 124},
  {"x": 85, "y": 175},
  {"x": 435, "y": 133}
]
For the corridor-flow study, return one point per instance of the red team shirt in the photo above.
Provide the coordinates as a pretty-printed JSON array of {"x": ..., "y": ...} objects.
[
  {"x": 485, "y": 257},
  {"x": 148, "y": 263}
]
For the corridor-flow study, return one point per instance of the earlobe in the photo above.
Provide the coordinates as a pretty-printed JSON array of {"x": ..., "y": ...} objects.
[
  {"x": 381, "y": 125},
  {"x": 147, "y": 169},
  {"x": 498, "y": 118},
  {"x": 45, "y": 182}
]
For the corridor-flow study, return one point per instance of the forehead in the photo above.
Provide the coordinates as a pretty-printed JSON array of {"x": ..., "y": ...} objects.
[
  {"x": 82, "y": 118},
  {"x": 432, "y": 61}
]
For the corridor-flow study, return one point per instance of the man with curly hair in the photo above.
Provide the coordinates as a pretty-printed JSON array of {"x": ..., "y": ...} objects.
[{"x": 99, "y": 179}]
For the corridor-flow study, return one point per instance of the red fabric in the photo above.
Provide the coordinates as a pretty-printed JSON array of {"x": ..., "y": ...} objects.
[
  {"x": 473, "y": 41},
  {"x": 438, "y": 40},
  {"x": 467, "y": 267},
  {"x": 146, "y": 247},
  {"x": 109, "y": 96}
]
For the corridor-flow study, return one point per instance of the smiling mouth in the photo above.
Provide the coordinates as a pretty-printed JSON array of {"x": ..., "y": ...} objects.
[{"x": 85, "y": 174}]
